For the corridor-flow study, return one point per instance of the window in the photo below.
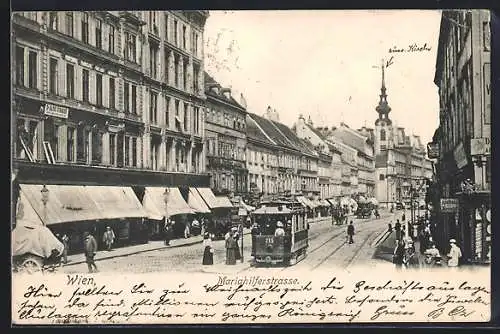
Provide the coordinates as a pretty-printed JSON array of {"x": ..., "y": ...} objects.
[
  {"x": 176, "y": 40},
  {"x": 153, "y": 59},
  {"x": 186, "y": 114},
  {"x": 196, "y": 74},
  {"x": 166, "y": 27},
  {"x": 85, "y": 28},
  {"x": 194, "y": 41},
  {"x": 196, "y": 119},
  {"x": 82, "y": 144},
  {"x": 153, "y": 104},
  {"x": 381, "y": 177},
  {"x": 53, "y": 75},
  {"x": 50, "y": 134},
  {"x": 96, "y": 147},
  {"x": 184, "y": 37},
  {"x": 98, "y": 34},
  {"x": 70, "y": 81},
  {"x": 69, "y": 23},
  {"x": 111, "y": 39},
  {"x": 85, "y": 85},
  {"x": 19, "y": 66},
  {"x": 112, "y": 148},
  {"x": 53, "y": 20},
  {"x": 176, "y": 69},
  {"x": 382, "y": 134},
  {"x": 112, "y": 93},
  {"x": 32, "y": 69},
  {"x": 126, "y": 97},
  {"x": 70, "y": 144},
  {"x": 126, "y": 151},
  {"x": 134, "y": 152},
  {"x": 153, "y": 27},
  {"x": 134, "y": 99},
  {"x": 98, "y": 89},
  {"x": 130, "y": 45},
  {"x": 167, "y": 111},
  {"x": 185, "y": 74}
]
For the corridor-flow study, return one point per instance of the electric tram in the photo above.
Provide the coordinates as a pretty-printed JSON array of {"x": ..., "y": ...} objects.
[{"x": 279, "y": 233}]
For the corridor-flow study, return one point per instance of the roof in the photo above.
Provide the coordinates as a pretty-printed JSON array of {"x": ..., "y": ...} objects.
[
  {"x": 292, "y": 137},
  {"x": 351, "y": 139},
  {"x": 381, "y": 159},
  {"x": 273, "y": 132},
  {"x": 210, "y": 81},
  {"x": 255, "y": 133}
]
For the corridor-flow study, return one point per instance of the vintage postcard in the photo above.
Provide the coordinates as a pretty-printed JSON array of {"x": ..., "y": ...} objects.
[{"x": 250, "y": 167}]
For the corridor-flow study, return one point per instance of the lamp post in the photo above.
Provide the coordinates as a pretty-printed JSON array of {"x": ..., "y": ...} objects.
[
  {"x": 45, "y": 199},
  {"x": 166, "y": 195}
]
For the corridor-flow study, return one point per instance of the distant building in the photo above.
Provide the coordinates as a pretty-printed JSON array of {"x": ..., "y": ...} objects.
[
  {"x": 461, "y": 144},
  {"x": 297, "y": 163},
  {"x": 225, "y": 133},
  {"x": 400, "y": 159},
  {"x": 329, "y": 159}
]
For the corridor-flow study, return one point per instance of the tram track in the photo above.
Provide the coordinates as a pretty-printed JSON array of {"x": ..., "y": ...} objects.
[{"x": 365, "y": 241}]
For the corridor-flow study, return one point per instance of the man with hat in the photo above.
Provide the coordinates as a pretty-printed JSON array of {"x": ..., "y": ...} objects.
[
  {"x": 108, "y": 238},
  {"x": 454, "y": 255},
  {"x": 279, "y": 232},
  {"x": 90, "y": 246}
]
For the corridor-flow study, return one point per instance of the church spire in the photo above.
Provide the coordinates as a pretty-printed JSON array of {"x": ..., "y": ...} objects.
[{"x": 383, "y": 108}]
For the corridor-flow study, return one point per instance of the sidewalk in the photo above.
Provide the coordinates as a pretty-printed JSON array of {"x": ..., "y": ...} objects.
[{"x": 151, "y": 246}]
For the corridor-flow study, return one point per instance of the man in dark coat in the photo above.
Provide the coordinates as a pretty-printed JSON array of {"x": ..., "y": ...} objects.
[
  {"x": 90, "y": 246},
  {"x": 350, "y": 232},
  {"x": 397, "y": 227}
]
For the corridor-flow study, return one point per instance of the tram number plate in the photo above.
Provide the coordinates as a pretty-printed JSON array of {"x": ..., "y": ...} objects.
[{"x": 269, "y": 241}]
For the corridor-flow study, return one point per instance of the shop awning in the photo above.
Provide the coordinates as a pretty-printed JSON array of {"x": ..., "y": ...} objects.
[
  {"x": 196, "y": 202},
  {"x": 65, "y": 203},
  {"x": 324, "y": 202},
  {"x": 154, "y": 203},
  {"x": 242, "y": 212},
  {"x": 25, "y": 214},
  {"x": 210, "y": 199},
  {"x": 306, "y": 202},
  {"x": 223, "y": 202},
  {"x": 333, "y": 201},
  {"x": 80, "y": 203},
  {"x": 116, "y": 202}
]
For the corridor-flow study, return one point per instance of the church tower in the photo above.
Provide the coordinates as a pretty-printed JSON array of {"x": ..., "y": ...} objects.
[{"x": 383, "y": 124}]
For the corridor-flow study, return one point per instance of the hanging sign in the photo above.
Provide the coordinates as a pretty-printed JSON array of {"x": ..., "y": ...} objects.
[
  {"x": 56, "y": 111},
  {"x": 449, "y": 205}
]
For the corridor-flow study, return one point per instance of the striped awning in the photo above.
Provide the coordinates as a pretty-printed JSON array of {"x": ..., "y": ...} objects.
[
  {"x": 306, "y": 202},
  {"x": 196, "y": 202},
  {"x": 212, "y": 201},
  {"x": 223, "y": 202}
]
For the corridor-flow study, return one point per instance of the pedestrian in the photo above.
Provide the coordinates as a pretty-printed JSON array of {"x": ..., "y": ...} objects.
[
  {"x": 65, "y": 241},
  {"x": 397, "y": 227},
  {"x": 90, "y": 247},
  {"x": 236, "y": 237},
  {"x": 432, "y": 256},
  {"x": 108, "y": 238},
  {"x": 454, "y": 255},
  {"x": 398, "y": 256},
  {"x": 195, "y": 226},
  {"x": 389, "y": 228},
  {"x": 255, "y": 231},
  {"x": 208, "y": 254},
  {"x": 403, "y": 217},
  {"x": 410, "y": 259},
  {"x": 350, "y": 232},
  {"x": 230, "y": 248}
]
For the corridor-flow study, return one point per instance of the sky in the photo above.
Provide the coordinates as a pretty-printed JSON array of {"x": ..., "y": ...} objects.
[{"x": 326, "y": 64}]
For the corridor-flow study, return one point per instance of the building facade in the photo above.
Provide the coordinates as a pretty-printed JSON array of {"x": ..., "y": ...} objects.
[
  {"x": 462, "y": 141},
  {"x": 225, "y": 132},
  {"x": 108, "y": 98},
  {"x": 329, "y": 159},
  {"x": 401, "y": 165}
]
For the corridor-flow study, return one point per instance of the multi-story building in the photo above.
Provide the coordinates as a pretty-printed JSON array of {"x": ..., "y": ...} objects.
[
  {"x": 400, "y": 160},
  {"x": 462, "y": 140},
  {"x": 225, "y": 132},
  {"x": 261, "y": 160},
  {"x": 297, "y": 164},
  {"x": 108, "y": 98},
  {"x": 329, "y": 159}
]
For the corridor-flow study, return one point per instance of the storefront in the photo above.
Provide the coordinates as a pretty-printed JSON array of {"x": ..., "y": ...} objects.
[
  {"x": 73, "y": 210},
  {"x": 222, "y": 211}
]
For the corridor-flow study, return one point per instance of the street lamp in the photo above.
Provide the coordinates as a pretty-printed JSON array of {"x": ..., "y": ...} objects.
[{"x": 45, "y": 199}]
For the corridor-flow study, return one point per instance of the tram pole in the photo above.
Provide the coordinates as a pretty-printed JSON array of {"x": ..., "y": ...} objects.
[{"x": 242, "y": 237}]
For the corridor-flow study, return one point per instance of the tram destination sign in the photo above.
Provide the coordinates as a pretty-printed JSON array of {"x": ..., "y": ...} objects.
[{"x": 449, "y": 205}]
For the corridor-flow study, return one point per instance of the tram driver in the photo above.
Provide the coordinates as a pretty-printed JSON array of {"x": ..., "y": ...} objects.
[{"x": 279, "y": 232}]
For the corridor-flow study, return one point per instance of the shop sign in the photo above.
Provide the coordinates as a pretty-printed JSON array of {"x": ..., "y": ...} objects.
[
  {"x": 480, "y": 146},
  {"x": 56, "y": 111},
  {"x": 449, "y": 205},
  {"x": 460, "y": 156},
  {"x": 433, "y": 150}
]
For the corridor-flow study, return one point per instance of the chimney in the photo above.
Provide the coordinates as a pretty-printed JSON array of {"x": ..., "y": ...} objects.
[
  {"x": 243, "y": 102},
  {"x": 309, "y": 120}
]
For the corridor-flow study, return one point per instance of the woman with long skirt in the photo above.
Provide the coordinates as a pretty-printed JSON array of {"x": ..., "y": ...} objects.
[
  {"x": 208, "y": 254},
  {"x": 237, "y": 253},
  {"x": 230, "y": 249}
]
